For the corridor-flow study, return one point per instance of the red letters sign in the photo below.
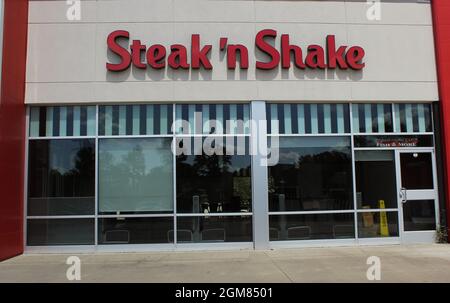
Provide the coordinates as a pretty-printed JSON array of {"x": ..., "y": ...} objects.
[{"x": 157, "y": 57}]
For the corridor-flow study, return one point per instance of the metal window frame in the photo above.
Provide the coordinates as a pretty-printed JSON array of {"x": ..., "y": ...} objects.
[
  {"x": 356, "y": 240},
  {"x": 260, "y": 213},
  {"x": 96, "y": 216}
]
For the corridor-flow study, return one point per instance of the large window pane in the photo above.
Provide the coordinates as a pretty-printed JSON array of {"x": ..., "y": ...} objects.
[
  {"x": 60, "y": 232},
  {"x": 61, "y": 177},
  {"x": 370, "y": 224},
  {"x": 213, "y": 183},
  {"x": 375, "y": 179},
  {"x": 313, "y": 173},
  {"x": 135, "y": 176},
  {"x": 135, "y": 230},
  {"x": 311, "y": 227},
  {"x": 214, "y": 229},
  {"x": 417, "y": 170},
  {"x": 419, "y": 215}
]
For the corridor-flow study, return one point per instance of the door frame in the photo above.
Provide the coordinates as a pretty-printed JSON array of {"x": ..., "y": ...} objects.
[{"x": 426, "y": 236}]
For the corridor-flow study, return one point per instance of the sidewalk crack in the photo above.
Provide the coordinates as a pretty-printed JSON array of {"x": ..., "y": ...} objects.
[{"x": 279, "y": 268}]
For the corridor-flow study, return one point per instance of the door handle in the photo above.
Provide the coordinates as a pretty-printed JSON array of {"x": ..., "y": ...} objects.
[{"x": 403, "y": 195}]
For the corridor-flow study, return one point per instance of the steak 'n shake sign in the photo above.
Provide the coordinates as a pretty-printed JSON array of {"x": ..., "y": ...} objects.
[{"x": 157, "y": 56}]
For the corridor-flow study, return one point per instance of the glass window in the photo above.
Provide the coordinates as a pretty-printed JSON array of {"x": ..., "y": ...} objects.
[
  {"x": 61, "y": 177},
  {"x": 133, "y": 120},
  {"x": 62, "y": 121},
  {"x": 377, "y": 224},
  {"x": 214, "y": 183},
  {"x": 60, "y": 232},
  {"x": 375, "y": 179},
  {"x": 212, "y": 119},
  {"x": 214, "y": 229},
  {"x": 135, "y": 230},
  {"x": 394, "y": 141},
  {"x": 135, "y": 175},
  {"x": 417, "y": 171},
  {"x": 313, "y": 173},
  {"x": 372, "y": 118},
  {"x": 419, "y": 215},
  {"x": 413, "y": 118},
  {"x": 311, "y": 227},
  {"x": 308, "y": 118}
]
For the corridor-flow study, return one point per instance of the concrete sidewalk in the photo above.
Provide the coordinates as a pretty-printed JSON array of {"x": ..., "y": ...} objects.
[{"x": 417, "y": 263}]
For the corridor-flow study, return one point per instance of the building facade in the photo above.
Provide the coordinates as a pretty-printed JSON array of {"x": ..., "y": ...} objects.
[{"x": 198, "y": 124}]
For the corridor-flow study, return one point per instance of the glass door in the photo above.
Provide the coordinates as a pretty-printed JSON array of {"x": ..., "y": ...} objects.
[
  {"x": 417, "y": 193},
  {"x": 376, "y": 196}
]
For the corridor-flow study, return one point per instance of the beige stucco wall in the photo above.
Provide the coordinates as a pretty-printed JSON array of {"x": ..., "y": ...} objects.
[{"x": 66, "y": 59}]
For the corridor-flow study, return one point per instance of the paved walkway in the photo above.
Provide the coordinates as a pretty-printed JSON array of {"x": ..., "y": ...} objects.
[{"x": 417, "y": 263}]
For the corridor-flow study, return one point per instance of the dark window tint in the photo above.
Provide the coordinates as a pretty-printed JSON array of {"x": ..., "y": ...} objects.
[
  {"x": 61, "y": 177},
  {"x": 383, "y": 141},
  {"x": 60, "y": 232},
  {"x": 311, "y": 227},
  {"x": 135, "y": 230},
  {"x": 214, "y": 229},
  {"x": 312, "y": 174},
  {"x": 375, "y": 179},
  {"x": 417, "y": 170},
  {"x": 211, "y": 184},
  {"x": 419, "y": 215}
]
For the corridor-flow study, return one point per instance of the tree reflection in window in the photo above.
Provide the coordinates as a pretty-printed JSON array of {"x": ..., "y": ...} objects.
[
  {"x": 213, "y": 183},
  {"x": 135, "y": 176},
  {"x": 62, "y": 177},
  {"x": 312, "y": 174}
]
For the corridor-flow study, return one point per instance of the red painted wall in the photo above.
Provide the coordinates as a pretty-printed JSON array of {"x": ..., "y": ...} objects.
[
  {"x": 441, "y": 20},
  {"x": 12, "y": 127}
]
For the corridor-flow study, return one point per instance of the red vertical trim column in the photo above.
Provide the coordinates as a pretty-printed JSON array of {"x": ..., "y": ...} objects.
[
  {"x": 12, "y": 127},
  {"x": 441, "y": 24}
]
